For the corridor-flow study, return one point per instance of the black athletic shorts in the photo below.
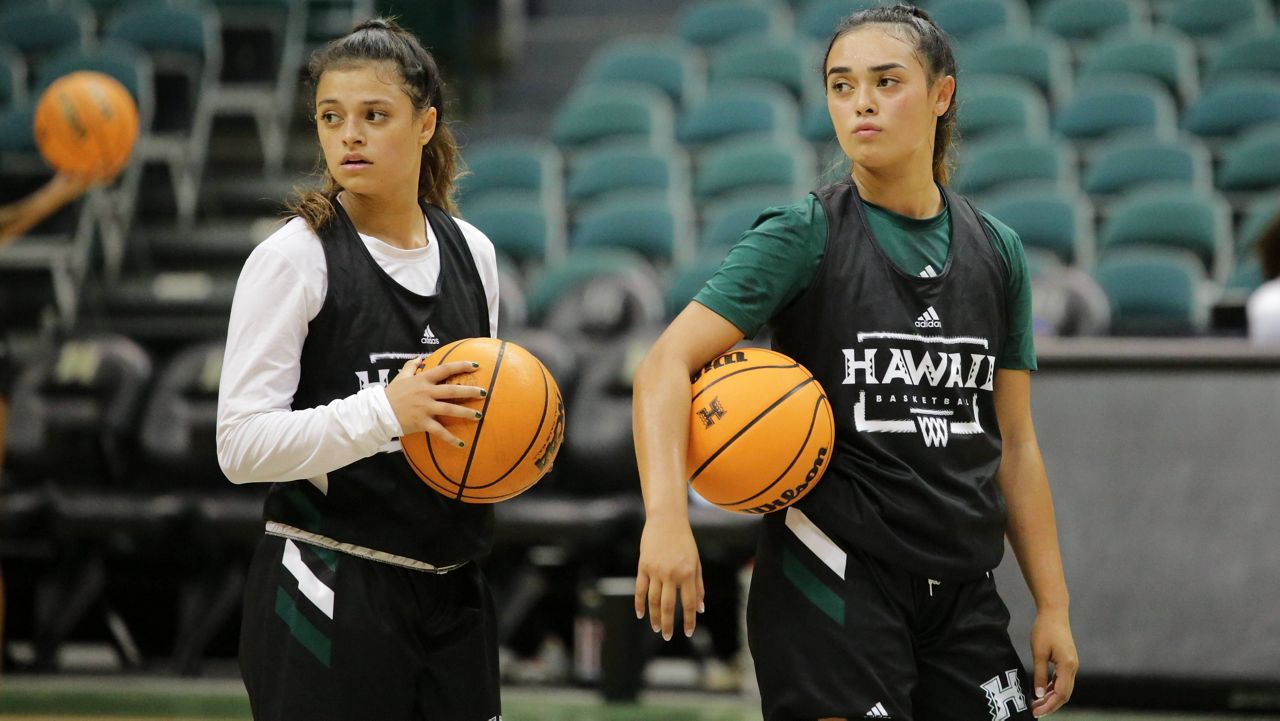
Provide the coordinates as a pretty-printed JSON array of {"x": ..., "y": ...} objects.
[
  {"x": 329, "y": 636},
  {"x": 837, "y": 633}
]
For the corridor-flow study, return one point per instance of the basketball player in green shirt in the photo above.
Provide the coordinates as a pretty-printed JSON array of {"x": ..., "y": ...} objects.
[{"x": 873, "y": 596}]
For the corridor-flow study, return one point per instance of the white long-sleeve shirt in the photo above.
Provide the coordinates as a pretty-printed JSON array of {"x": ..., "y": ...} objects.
[{"x": 280, "y": 290}]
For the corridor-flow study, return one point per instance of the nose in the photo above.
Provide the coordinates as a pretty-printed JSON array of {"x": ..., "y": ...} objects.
[
  {"x": 352, "y": 133},
  {"x": 864, "y": 101}
]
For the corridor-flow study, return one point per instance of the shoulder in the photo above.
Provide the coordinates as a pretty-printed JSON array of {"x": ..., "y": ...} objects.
[
  {"x": 1007, "y": 241},
  {"x": 293, "y": 245},
  {"x": 804, "y": 215}
]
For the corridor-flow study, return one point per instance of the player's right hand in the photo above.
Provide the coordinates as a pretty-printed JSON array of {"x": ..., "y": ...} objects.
[
  {"x": 419, "y": 401},
  {"x": 669, "y": 570}
]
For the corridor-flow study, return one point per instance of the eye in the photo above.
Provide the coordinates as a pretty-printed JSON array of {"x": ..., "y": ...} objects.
[
  {"x": 884, "y": 82},
  {"x": 841, "y": 86},
  {"x": 329, "y": 117},
  {"x": 376, "y": 115}
]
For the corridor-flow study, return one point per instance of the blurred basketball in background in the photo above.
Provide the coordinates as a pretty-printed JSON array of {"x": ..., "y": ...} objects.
[
  {"x": 760, "y": 431},
  {"x": 513, "y": 445},
  {"x": 86, "y": 124}
]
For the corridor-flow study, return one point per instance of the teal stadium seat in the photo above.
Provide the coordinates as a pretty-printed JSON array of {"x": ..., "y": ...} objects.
[
  {"x": 1166, "y": 56},
  {"x": 1244, "y": 279},
  {"x": 816, "y": 20},
  {"x": 1081, "y": 20},
  {"x": 711, "y": 22},
  {"x": 1202, "y": 19},
  {"x": 655, "y": 225},
  {"x": 815, "y": 125},
  {"x": 1234, "y": 105},
  {"x": 738, "y": 109},
  {"x": 627, "y": 168},
  {"x": 781, "y": 62},
  {"x": 1256, "y": 52},
  {"x": 1252, "y": 163},
  {"x": 684, "y": 283},
  {"x": 1051, "y": 219},
  {"x": 38, "y": 30},
  {"x": 13, "y": 77},
  {"x": 1153, "y": 292},
  {"x": 618, "y": 112},
  {"x": 967, "y": 19},
  {"x": 994, "y": 164},
  {"x": 520, "y": 226},
  {"x": 1114, "y": 104},
  {"x": 755, "y": 164},
  {"x": 576, "y": 269},
  {"x": 726, "y": 220},
  {"x": 1042, "y": 59},
  {"x": 1260, "y": 214},
  {"x": 667, "y": 63},
  {"x": 1125, "y": 163},
  {"x": 512, "y": 164},
  {"x": 999, "y": 105},
  {"x": 1195, "y": 221}
]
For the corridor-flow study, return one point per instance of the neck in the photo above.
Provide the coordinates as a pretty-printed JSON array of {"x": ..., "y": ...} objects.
[
  {"x": 910, "y": 192},
  {"x": 396, "y": 221}
]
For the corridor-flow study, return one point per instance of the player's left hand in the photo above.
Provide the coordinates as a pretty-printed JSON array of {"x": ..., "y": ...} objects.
[{"x": 1051, "y": 643}]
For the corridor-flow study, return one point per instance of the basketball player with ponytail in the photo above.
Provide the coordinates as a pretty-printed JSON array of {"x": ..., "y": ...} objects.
[
  {"x": 873, "y": 597},
  {"x": 363, "y": 600}
]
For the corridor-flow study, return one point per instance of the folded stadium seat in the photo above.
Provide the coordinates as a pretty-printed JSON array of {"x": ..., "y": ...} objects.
[
  {"x": 627, "y": 168},
  {"x": 1260, "y": 214},
  {"x": 777, "y": 61},
  {"x": 1164, "y": 55},
  {"x": 217, "y": 247},
  {"x": 1128, "y": 162},
  {"x": 185, "y": 46},
  {"x": 738, "y": 109},
  {"x": 1256, "y": 51},
  {"x": 1251, "y": 163},
  {"x": 1153, "y": 292},
  {"x": 527, "y": 165},
  {"x": 967, "y": 19},
  {"x": 1233, "y": 105},
  {"x": 177, "y": 438},
  {"x": 1042, "y": 59},
  {"x": 1106, "y": 105},
  {"x": 707, "y": 23},
  {"x": 162, "y": 311},
  {"x": 263, "y": 42},
  {"x": 1001, "y": 106},
  {"x": 656, "y": 225},
  {"x": 520, "y": 226},
  {"x": 1086, "y": 20},
  {"x": 1194, "y": 221},
  {"x": 39, "y": 30},
  {"x": 756, "y": 164},
  {"x": 1052, "y": 219},
  {"x": 329, "y": 19},
  {"x": 815, "y": 123},
  {"x": 595, "y": 295},
  {"x": 617, "y": 112},
  {"x": 1244, "y": 279},
  {"x": 816, "y": 20},
  {"x": 13, "y": 77},
  {"x": 986, "y": 166},
  {"x": 665, "y": 62},
  {"x": 684, "y": 283},
  {"x": 79, "y": 406},
  {"x": 62, "y": 247},
  {"x": 1215, "y": 19},
  {"x": 724, "y": 221},
  {"x": 513, "y": 307},
  {"x": 1065, "y": 300}
]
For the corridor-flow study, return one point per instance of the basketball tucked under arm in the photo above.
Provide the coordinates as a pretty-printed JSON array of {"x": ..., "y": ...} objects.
[{"x": 669, "y": 563}]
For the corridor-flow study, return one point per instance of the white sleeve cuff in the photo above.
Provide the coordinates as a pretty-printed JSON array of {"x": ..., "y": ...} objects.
[{"x": 383, "y": 411}]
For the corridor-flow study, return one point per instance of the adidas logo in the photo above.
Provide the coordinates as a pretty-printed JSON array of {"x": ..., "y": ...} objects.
[
  {"x": 929, "y": 319},
  {"x": 877, "y": 711},
  {"x": 429, "y": 338}
]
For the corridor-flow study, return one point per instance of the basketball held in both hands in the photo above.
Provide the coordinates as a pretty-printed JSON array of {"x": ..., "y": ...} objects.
[
  {"x": 86, "y": 124},
  {"x": 760, "y": 431},
  {"x": 514, "y": 443}
]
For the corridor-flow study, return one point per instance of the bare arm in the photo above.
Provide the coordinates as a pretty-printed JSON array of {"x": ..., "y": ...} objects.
[
  {"x": 1033, "y": 533},
  {"x": 20, "y": 216},
  {"x": 660, "y": 418}
]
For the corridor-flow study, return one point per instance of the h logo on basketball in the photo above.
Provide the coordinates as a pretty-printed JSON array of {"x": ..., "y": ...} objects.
[
  {"x": 710, "y": 415},
  {"x": 999, "y": 697}
]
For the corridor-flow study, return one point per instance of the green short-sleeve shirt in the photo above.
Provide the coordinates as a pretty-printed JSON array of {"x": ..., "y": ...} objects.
[{"x": 776, "y": 260}]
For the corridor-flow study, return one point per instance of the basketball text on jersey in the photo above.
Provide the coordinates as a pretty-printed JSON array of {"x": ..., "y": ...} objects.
[
  {"x": 922, "y": 384},
  {"x": 1001, "y": 696}
]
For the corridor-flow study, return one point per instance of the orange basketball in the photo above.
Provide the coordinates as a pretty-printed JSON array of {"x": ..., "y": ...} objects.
[
  {"x": 86, "y": 123},
  {"x": 760, "y": 431},
  {"x": 513, "y": 445}
]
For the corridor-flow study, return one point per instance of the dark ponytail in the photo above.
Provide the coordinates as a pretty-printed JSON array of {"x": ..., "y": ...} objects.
[
  {"x": 937, "y": 58},
  {"x": 383, "y": 40}
]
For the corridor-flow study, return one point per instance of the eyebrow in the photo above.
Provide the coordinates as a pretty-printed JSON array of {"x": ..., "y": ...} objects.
[
  {"x": 874, "y": 68},
  {"x": 374, "y": 101}
]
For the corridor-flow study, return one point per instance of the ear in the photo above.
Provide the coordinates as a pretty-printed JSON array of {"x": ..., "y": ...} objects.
[
  {"x": 946, "y": 89},
  {"x": 428, "y": 129}
]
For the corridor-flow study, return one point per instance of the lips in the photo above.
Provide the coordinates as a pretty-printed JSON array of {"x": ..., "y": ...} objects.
[
  {"x": 866, "y": 129},
  {"x": 355, "y": 160}
]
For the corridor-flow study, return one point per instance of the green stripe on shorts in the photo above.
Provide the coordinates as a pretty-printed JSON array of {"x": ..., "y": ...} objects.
[
  {"x": 828, "y": 601},
  {"x": 311, "y": 638}
]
